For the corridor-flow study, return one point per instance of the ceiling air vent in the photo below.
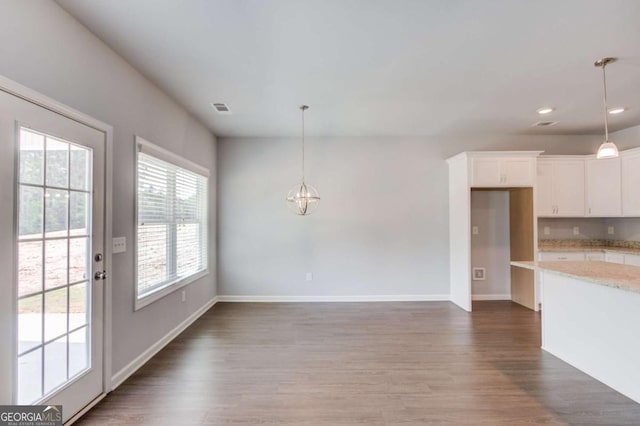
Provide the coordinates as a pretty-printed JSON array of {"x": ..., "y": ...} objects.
[
  {"x": 221, "y": 108},
  {"x": 544, "y": 124}
]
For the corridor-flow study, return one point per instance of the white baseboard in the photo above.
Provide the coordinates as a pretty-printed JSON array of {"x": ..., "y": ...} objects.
[
  {"x": 491, "y": 297},
  {"x": 84, "y": 411},
  {"x": 363, "y": 298},
  {"x": 122, "y": 375}
]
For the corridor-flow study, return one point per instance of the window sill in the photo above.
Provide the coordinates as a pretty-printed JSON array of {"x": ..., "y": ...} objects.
[{"x": 164, "y": 291}]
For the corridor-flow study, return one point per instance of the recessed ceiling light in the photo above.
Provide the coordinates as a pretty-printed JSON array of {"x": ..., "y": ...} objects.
[
  {"x": 545, "y": 110},
  {"x": 617, "y": 110}
]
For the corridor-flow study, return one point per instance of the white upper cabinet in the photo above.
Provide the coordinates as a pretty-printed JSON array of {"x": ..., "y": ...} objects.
[
  {"x": 503, "y": 170},
  {"x": 630, "y": 164},
  {"x": 544, "y": 189},
  {"x": 604, "y": 192},
  {"x": 560, "y": 187},
  {"x": 486, "y": 172}
]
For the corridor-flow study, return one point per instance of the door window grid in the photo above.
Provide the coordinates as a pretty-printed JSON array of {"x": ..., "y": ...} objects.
[{"x": 52, "y": 346}]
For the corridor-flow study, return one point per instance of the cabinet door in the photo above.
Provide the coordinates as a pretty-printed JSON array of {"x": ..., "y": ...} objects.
[
  {"x": 614, "y": 257},
  {"x": 632, "y": 259},
  {"x": 554, "y": 256},
  {"x": 604, "y": 193},
  {"x": 517, "y": 172},
  {"x": 594, "y": 256},
  {"x": 630, "y": 164},
  {"x": 568, "y": 188},
  {"x": 486, "y": 172},
  {"x": 544, "y": 186}
]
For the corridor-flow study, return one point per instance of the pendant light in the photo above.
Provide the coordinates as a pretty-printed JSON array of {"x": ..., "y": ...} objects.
[
  {"x": 303, "y": 199},
  {"x": 608, "y": 149}
]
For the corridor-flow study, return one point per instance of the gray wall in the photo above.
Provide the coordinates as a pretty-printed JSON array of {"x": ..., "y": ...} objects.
[
  {"x": 591, "y": 228},
  {"x": 491, "y": 248},
  {"x": 628, "y": 138},
  {"x": 44, "y": 48},
  {"x": 562, "y": 228},
  {"x": 382, "y": 224}
]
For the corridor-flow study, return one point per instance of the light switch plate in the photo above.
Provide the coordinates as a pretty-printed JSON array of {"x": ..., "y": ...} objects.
[
  {"x": 309, "y": 276},
  {"x": 474, "y": 230},
  {"x": 119, "y": 245},
  {"x": 610, "y": 230},
  {"x": 576, "y": 230},
  {"x": 547, "y": 230}
]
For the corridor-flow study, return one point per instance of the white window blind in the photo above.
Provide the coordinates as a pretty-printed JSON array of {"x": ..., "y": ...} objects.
[{"x": 172, "y": 221}]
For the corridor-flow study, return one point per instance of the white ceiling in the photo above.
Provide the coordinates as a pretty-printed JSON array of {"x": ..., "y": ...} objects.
[{"x": 381, "y": 67}]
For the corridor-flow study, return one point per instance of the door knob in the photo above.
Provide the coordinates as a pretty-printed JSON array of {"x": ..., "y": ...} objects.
[{"x": 100, "y": 275}]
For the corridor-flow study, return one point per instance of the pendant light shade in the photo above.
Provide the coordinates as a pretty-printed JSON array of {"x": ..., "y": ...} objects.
[
  {"x": 303, "y": 199},
  {"x": 607, "y": 149}
]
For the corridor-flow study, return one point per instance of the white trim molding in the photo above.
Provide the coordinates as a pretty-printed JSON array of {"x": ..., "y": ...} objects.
[
  {"x": 118, "y": 378},
  {"x": 355, "y": 298},
  {"x": 37, "y": 98},
  {"x": 491, "y": 297}
]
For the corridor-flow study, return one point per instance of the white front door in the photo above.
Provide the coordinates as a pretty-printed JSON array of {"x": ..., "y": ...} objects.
[{"x": 51, "y": 246}]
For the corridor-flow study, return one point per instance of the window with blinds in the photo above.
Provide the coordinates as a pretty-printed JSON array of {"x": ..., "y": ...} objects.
[{"x": 171, "y": 247}]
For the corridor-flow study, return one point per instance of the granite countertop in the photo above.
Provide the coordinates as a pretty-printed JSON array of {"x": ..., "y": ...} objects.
[
  {"x": 624, "y": 277},
  {"x": 616, "y": 246}
]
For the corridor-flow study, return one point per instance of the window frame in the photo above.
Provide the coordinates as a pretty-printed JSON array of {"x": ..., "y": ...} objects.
[{"x": 144, "y": 146}]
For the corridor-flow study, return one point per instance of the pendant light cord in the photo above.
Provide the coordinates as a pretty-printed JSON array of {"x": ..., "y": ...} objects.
[
  {"x": 606, "y": 118},
  {"x": 302, "y": 143}
]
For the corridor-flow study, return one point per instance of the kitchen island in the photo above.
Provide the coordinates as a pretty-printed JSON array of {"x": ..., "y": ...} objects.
[{"x": 591, "y": 319}]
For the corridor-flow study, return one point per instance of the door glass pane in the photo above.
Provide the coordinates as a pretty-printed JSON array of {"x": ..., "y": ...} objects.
[
  {"x": 55, "y": 364},
  {"x": 80, "y": 170},
  {"x": 54, "y": 292},
  {"x": 30, "y": 377},
  {"x": 29, "y": 267},
  {"x": 55, "y": 252},
  {"x": 55, "y": 313},
  {"x": 78, "y": 301},
  {"x": 29, "y": 322},
  {"x": 56, "y": 213},
  {"x": 79, "y": 213},
  {"x": 57, "y": 169},
  {"x": 30, "y": 213},
  {"x": 31, "y": 157},
  {"x": 78, "y": 353},
  {"x": 78, "y": 261}
]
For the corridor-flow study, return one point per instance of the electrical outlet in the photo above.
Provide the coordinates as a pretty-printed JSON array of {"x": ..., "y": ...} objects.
[
  {"x": 119, "y": 245},
  {"x": 309, "y": 276},
  {"x": 547, "y": 230},
  {"x": 610, "y": 230},
  {"x": 474, "y": 230},
  {"x": 576, "y": 230},
  {"x": 184, "y": 295}
]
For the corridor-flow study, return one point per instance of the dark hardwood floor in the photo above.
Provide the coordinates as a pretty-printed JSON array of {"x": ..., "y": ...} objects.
[{"x": 361, "y": 363}]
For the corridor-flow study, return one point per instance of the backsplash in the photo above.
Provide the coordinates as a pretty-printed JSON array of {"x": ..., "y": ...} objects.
[
  {"x": 625, "y": 229},
  {"x": 544, "y": 244}
]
